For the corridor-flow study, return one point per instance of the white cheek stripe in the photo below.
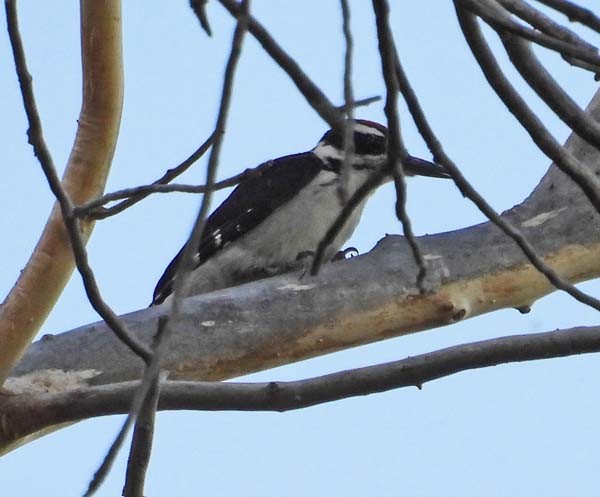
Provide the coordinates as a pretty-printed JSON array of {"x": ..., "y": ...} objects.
[
  {"x": 325, "y": 152},
  {"x": 367, "y": 130},
  {"x": 328, "y": 152}
]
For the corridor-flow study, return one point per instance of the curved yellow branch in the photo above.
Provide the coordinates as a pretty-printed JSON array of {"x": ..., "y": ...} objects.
[{"x": 51, "y": 264}]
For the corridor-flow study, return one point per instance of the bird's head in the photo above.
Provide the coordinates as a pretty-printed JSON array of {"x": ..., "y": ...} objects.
[{"x": 370, "y": 151}]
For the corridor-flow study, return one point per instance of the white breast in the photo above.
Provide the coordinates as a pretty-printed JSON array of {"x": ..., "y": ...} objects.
[
  {"x": 297, "y": 227},
  {"x": 307, "y": 219}
]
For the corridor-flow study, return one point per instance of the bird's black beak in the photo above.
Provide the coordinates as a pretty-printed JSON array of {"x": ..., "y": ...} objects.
[{"x": 414, "y": 166}]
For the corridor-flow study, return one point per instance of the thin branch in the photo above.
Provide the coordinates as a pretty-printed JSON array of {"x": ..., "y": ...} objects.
[
  {"x": 546, "y": 87},
  {"x": 139, "y": 192},
  {"x": 397, "y": 153},
  {"x": 418, "y": 115},
  {"x": 199, "y": 8},
  {"x": 547, "y": 25},
  {"x": 143, "y": 433},
  {"x": 575, "y": 13},
  {"x": 141, "y": 445},
  {"x": 544, "y": 23},
  {"x": 348, "y": 136},
  {"x": 186, "y": 265},
  {"x": 134, "y": 195},
  {"x": 412, "y": 371},
  {"x": 363, "y": 102},
  {"x": 495, "y": 77},
  {"x": 565, "y": 161},
  {"x": 363, "y": 191},
  {"x": 36, "y": 139},
  {"x": 284, "y": 396},
  {"x": 109, "y": 459},
  {"x": 313, "y": 95},
  {"x": 501, "y": 21},
  {"x": 89, "y": 209},
  {"x": 94, "y": 210},
  {"x": 144, "y": 387},
  {"x": 187, "y": 261},
  {"x": 498, "y": 81}
]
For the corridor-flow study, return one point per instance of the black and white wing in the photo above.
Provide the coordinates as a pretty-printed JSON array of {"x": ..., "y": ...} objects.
[{"x": 273, "y": 184}]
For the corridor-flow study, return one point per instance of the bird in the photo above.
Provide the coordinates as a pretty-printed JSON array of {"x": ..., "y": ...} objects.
[{"x": 281, "y": 212}]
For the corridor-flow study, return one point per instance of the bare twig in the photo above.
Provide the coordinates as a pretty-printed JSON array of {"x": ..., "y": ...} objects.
[
  {"x": 397, "y": 153},
  {"x": 94, "y": 210},
  {"x": 91, "y": 208},
  {"x": 109, "y": 459},
  {"x": 575, "y": 13},
  {"x": 412, "y": 371},
  {"x": 418, "y": 115},
  {"x": 141, "y": 445},
  {"x": 134, "y": 195},
  {"x": 363, "y": 102},
  {"x": 143, "y": 433},
  {"x": 348, "y": 136},
  {"x": 544, "y": 23},
  {"x": 497, "y": 79},
  {"x": 36, "y": 139},
  {"x": 313, "y": 95},
  {"x": 187, "y": 261},
  {"x": 186, "y": 265},
  {"x": 284, "y": 396},
  {"x": 546, "y": 87},
  {"x": 497, "y": 17},
  {"x": 199, "y": 8},
  {"x": 359, "y": 195},
  {"x": 148, "y": 380},
  {"x": 564, "y": 160},
  {"x": 144, "y": 190},
  {"x": 494, "y": 76},
  {"x": 547, "y": 25}
]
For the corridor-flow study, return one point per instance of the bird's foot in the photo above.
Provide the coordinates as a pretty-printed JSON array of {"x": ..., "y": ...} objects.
[
  {"x": 346, "y": 253},
  {"x": 304, "y": 261}
]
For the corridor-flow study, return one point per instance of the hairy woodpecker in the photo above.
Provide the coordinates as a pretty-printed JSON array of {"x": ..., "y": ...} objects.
[{"x": 284, "y": 210}]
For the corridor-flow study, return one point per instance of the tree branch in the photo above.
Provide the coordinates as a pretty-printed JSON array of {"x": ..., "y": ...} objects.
[
  {"x": 501, "y": 21},
  {"x": 575, "y": 13},
  {"x": 91, "y": 209},
  {"x": 143, "y": 407},
  {"x": 546, "y": 87},
  {"x": 587, "y": 181},
  {"x": 372, "y": 297},
  {"x": 348, "y": 136},
  {"x": 397, "y": 153},
  {"x": 311, "y": 92},
  {"x": 66, "y": 407},
  {"x": 51, "y": 264},
  {"x": 544, "y": 23},
  {"x": 516, "y": 104},
  {"x": 141, "y": 445}
]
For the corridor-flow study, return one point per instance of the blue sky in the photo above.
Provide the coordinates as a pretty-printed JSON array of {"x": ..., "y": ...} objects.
[{"x": 526, "y": 429}]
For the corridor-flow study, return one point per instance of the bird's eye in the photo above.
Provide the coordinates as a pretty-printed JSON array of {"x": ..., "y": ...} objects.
[{"x": 369, "y": 144}]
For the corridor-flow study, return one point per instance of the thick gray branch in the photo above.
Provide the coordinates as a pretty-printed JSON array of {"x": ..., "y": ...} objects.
[{"x": 280, "y": 320}]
